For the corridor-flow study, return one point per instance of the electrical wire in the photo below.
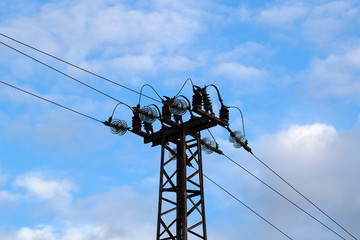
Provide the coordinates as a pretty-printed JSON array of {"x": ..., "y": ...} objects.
[
  {"x": 57, "y": 104},
  {"x": 112, "y": 115},
  {"x": 75, "y": 66},
  {"x": 242, "y": 118},
  {"x": 66, "y": 75},
  {"x": 152, "y": 89},
  {"x": 249, "y": 208},
  {"x": 287, "y": 199},
  {"x": 189, "y": 79},
  {"x": 302, "y": 195}
]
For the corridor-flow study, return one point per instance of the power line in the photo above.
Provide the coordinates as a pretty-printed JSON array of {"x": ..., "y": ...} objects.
[
  {"x": 287, "y": 199},
  {"x": 238, "y": 200},
  {"x": 75, "y": 66},
  {"x": 66, "y": 75},
  {"x": 302, "y": 195},
  {"x": 47, "y": 100}
]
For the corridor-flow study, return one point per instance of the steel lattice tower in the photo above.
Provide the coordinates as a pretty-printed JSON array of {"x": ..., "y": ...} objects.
[{"x": 181, "y": 207}]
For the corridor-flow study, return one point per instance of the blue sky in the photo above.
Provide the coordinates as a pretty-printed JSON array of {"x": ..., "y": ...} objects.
[{"x": 292, "y": 67}]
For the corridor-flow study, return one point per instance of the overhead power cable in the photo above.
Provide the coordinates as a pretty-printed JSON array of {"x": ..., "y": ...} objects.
[
  {"x": 302, "y": 195},
  {"x": 47, "y": 100},
  {"x": 66, "y": 75},
  {"x": 75, "y": 66},
  {"x": 252, "y": 210},
  {"x": 287, "y": 199}
]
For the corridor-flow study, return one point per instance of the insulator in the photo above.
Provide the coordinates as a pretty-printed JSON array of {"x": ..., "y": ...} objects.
[
  {"x": 224, "y": 113},
  {"x": 136, "y": 122},
  {"x": 197, "y": 99},
  {"x": 237, "y": 139},
  {"x": 172, "y": 154},
  {"x": 206, "y": 100},
  {"x": 208, "y": 145},
  {"x": 118, "y": 127},
  {"x": 150, "y": 114},
  {"x": 179, "y": 107}
]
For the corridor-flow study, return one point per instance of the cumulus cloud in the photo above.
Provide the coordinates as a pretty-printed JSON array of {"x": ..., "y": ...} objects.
[
  {"x": 40, "y": 187},
  {"x": 319, "y": 160},
  {"x": 120, "y": 213},
  {"x": 127, "y": 40}
]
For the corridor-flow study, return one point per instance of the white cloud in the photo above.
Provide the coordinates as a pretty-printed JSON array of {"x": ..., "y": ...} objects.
[
  {"x": 337, "y": 74},
  {"x": 37, "y": 185},
  {"x": 309, "y": 138},
  {"x": 322, "y": 163},
  {"x": 130, "y": 39},
  {"x": 317, "y": 159},
  {"x": 35, "y": 234},
  {"x": 238, "y": 71},
  {"x": 321, "y": 23},
  {"x": 119, "y": 213}
]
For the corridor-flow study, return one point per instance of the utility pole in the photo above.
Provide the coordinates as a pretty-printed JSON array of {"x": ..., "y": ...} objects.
[{"x": 181, "y": 207}]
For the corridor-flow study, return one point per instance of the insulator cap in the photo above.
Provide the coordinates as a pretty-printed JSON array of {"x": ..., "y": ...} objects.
[
  {"x": 118, "y": 127},
  {"x": 179, "y": 107},
  {"x": 150, "y": 114}
]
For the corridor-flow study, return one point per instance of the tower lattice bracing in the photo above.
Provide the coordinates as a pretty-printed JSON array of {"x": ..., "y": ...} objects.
[{"x": 181, "y": 212}]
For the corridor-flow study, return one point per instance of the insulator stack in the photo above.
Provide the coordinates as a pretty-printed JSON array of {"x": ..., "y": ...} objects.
[
  {"x": 197, "y": 98},
  {"x": 238, "y": 139},
  {"x": 136, "y": 122},
  {"x": 206, "y": 101},
  {"x": 148, "y": 114},
  {"x": 209, "y": 146},
  {"x": 224, "y": 113},
  {"x": 118, "y": 127}
]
